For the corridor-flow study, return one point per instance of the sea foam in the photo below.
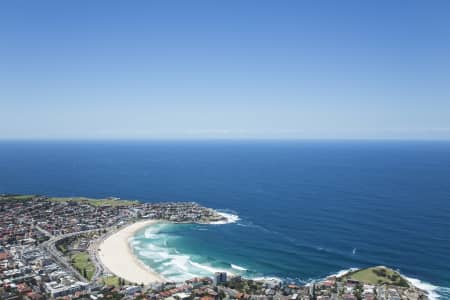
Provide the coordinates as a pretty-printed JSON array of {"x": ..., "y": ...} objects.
[
  {"x": 152, "y": 247},
  {"x": 236, "y": 267},
  {"x": 344, "y": 272},
  {"x": 431, "y": 290},
  {"x": 179, "y": 267},
  {"x": 231, "y": 218},
  {"x": 268, "y": 279}
]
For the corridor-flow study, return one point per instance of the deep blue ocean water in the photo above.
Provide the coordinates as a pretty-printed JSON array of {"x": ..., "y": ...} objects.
[{"x": 307, "y": 208}]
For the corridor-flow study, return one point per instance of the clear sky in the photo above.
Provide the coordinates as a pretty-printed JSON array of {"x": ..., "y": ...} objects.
[{"x": 89, "y": 69}]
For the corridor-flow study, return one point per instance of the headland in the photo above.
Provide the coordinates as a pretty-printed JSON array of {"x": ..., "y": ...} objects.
[{"x": 79, "y": 246}]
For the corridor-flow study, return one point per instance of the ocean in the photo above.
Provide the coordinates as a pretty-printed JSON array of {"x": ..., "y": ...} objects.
[{"x": 302, "y": 209}]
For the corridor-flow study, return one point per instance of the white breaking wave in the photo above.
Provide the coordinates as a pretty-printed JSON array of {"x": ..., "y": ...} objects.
[
  {"x": 236, "y": 267},
  {"x": 276, "y": 279},
  {"x": 172, "y": 264},
  {"x": 150, "y": 235},
  {"x": 344, "y": 272},
  {"x": 341, "y": 273},
  {"x": 178, "y": 267},
  {"x": 209, "y": 269},
  {"x": 427, "y": 287},
  {"x": 152, "y": 231},
  {"x": 133, "y": 242},
  {"x": 231, "y": 218},
  {"x": 181, "y": 261}
]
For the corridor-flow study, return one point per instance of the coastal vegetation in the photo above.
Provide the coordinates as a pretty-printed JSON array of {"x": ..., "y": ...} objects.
[
  {"x": 115, "y": 281},
  {"x": 112, "y": 280},
  {"x": 62, "y": 247},
  {"x": 377, "y": 276},
  {"x": 95, "y": 202},
  {"x": 74, "y": 248},
  {"x": 83, "y": 264},
  {"x": 16, "y": 197},
  {"x": 110, "y": 201},
  {"x": 246, "y": 286}
]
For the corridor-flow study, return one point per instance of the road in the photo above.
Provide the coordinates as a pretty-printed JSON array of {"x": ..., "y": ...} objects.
[
  {"x": 94, "y": 248},
  {"x": 50, "y": 247}
]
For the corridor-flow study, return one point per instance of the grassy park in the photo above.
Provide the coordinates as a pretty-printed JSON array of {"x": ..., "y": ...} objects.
[
  {"x": 378, "y": 275},
  {"x": 111, "y": 280},
  {"x": 16, "y": 197},
  {"x": 82, "y": 262},
  {"x": 92, "y": 201},
  {"x": 96, "y": 202}
]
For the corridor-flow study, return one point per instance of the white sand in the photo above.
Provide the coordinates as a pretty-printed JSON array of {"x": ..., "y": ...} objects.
[{"x": 118, "y": 258}]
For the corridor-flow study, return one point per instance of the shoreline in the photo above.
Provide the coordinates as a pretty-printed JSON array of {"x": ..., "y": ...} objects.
[
  {"x": 118, "y": 258},
  {"x": 430, "y": 289}
]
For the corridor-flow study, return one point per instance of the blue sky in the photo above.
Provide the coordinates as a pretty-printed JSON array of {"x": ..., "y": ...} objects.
[{"x": 224, "y": 69}]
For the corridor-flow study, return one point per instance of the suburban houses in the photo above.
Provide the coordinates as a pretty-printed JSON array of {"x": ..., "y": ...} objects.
[{"x": 46, "y": 247}]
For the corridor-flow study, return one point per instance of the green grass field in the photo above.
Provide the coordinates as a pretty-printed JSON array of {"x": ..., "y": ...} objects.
[
  {"x": 378, "y": 275},
  {"x": 96, "y": 202},
  {"x": 17, "y": 197},
  {"x": 90, "y": 201},
  {"x": 81, "y": 262},
  {"x": 62, "y": 248},
  {"x": 111, "y": 280}
]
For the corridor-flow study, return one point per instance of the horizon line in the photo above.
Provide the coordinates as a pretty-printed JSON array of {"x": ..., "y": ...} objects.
[{"x": 179, "y": 139}]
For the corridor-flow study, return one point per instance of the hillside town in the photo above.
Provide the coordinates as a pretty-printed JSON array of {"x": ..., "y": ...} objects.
[{"x": 48, "y": 246}]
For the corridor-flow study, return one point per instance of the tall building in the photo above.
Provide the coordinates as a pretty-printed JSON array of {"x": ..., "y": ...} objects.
[{"x": 220, "y": 277}]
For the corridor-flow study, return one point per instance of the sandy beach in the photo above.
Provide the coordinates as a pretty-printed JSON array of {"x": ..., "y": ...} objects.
[{"x": 118, "y": 258}]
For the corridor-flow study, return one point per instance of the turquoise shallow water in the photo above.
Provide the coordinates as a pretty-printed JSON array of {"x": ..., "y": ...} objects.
[
  {"x": 183, "y": 251},
  {"x": 159, "y": 247},
  {"x": 307, "y": 209}
]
